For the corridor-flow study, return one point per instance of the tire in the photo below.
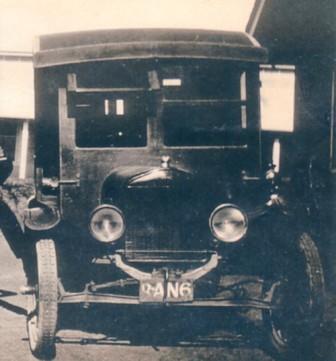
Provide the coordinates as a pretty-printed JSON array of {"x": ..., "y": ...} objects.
[
  {"x": 300, "y": 301},
  {"x": 43, "y": 304}
]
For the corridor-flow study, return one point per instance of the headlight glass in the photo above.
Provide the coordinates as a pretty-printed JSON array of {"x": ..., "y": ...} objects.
[
  {"x": 228, "y": 223},
  {"x": 107, "y": 224}
]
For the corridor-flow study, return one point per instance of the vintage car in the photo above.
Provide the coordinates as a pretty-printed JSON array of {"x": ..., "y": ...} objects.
[{"x": 153, "y": 186}]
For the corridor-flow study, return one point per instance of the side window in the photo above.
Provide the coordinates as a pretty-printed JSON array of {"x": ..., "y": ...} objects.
[{"x": 277, "y": 98}]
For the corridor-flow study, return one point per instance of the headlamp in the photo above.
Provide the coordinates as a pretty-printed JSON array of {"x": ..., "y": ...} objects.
[
  {"x": 107, "y": 223},
  {"x": 228, "y": 223}
]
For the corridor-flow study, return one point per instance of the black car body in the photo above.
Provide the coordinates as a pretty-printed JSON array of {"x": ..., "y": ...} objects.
[{"x": 150, "y": 177}]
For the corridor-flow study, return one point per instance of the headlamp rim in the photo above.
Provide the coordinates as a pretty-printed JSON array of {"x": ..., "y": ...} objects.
[
  {"x": 216, "y": 210},
  {"x": 114, "y": 208}
]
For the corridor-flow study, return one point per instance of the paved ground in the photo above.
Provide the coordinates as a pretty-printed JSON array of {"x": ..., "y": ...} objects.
[{"x": 149, "y": 336}]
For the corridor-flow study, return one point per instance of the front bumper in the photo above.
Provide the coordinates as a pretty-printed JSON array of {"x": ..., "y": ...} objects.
[{"x": 92, "y": 293}]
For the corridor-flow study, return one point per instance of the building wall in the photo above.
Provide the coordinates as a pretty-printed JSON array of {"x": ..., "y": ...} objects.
[
  {"x": 17, "y": 111},
  {"x": 303, "y": 33},
  {"x": 314, "y": 108},
  {"x": 313, "y": 113},
  {"x": 24, "y": 152},
  {"x": 8, "y": 130},
  {"x": 16, "y": 138}
]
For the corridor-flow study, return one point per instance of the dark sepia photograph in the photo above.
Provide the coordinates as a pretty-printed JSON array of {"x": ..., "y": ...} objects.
[{"x": 167, "y": 180}]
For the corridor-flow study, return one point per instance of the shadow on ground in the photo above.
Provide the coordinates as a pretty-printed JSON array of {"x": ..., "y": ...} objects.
[{"x": 160, "y": 327}]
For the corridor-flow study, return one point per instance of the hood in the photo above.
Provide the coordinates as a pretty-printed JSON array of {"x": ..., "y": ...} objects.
[
  {"x": 166, "y": 183},
  {"x": 127, "y": 177}
]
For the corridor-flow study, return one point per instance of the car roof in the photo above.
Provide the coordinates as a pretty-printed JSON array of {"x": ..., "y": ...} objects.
[{"x": 124, "y": 44}]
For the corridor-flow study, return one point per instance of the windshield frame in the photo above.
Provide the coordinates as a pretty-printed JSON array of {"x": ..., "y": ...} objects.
[{"x": 155, "y": 132}]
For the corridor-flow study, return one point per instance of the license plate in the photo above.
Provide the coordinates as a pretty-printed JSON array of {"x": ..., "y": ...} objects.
[{"x": 159, "y": 290}]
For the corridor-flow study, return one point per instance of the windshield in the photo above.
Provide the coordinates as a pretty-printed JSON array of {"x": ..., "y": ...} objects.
[
  {"x": 206, "y": 108},
  {"x": 192, "y": 103}
]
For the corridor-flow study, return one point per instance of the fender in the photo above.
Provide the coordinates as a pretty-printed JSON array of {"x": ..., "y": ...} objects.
[
  {"x": 40, "y": 216},
  {"x": 42, "y": 212}
]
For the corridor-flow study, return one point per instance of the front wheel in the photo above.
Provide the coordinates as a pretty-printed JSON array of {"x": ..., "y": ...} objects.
[
  {"x": 299, "y": 301},
  {"x": 43, "y": 303}
]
